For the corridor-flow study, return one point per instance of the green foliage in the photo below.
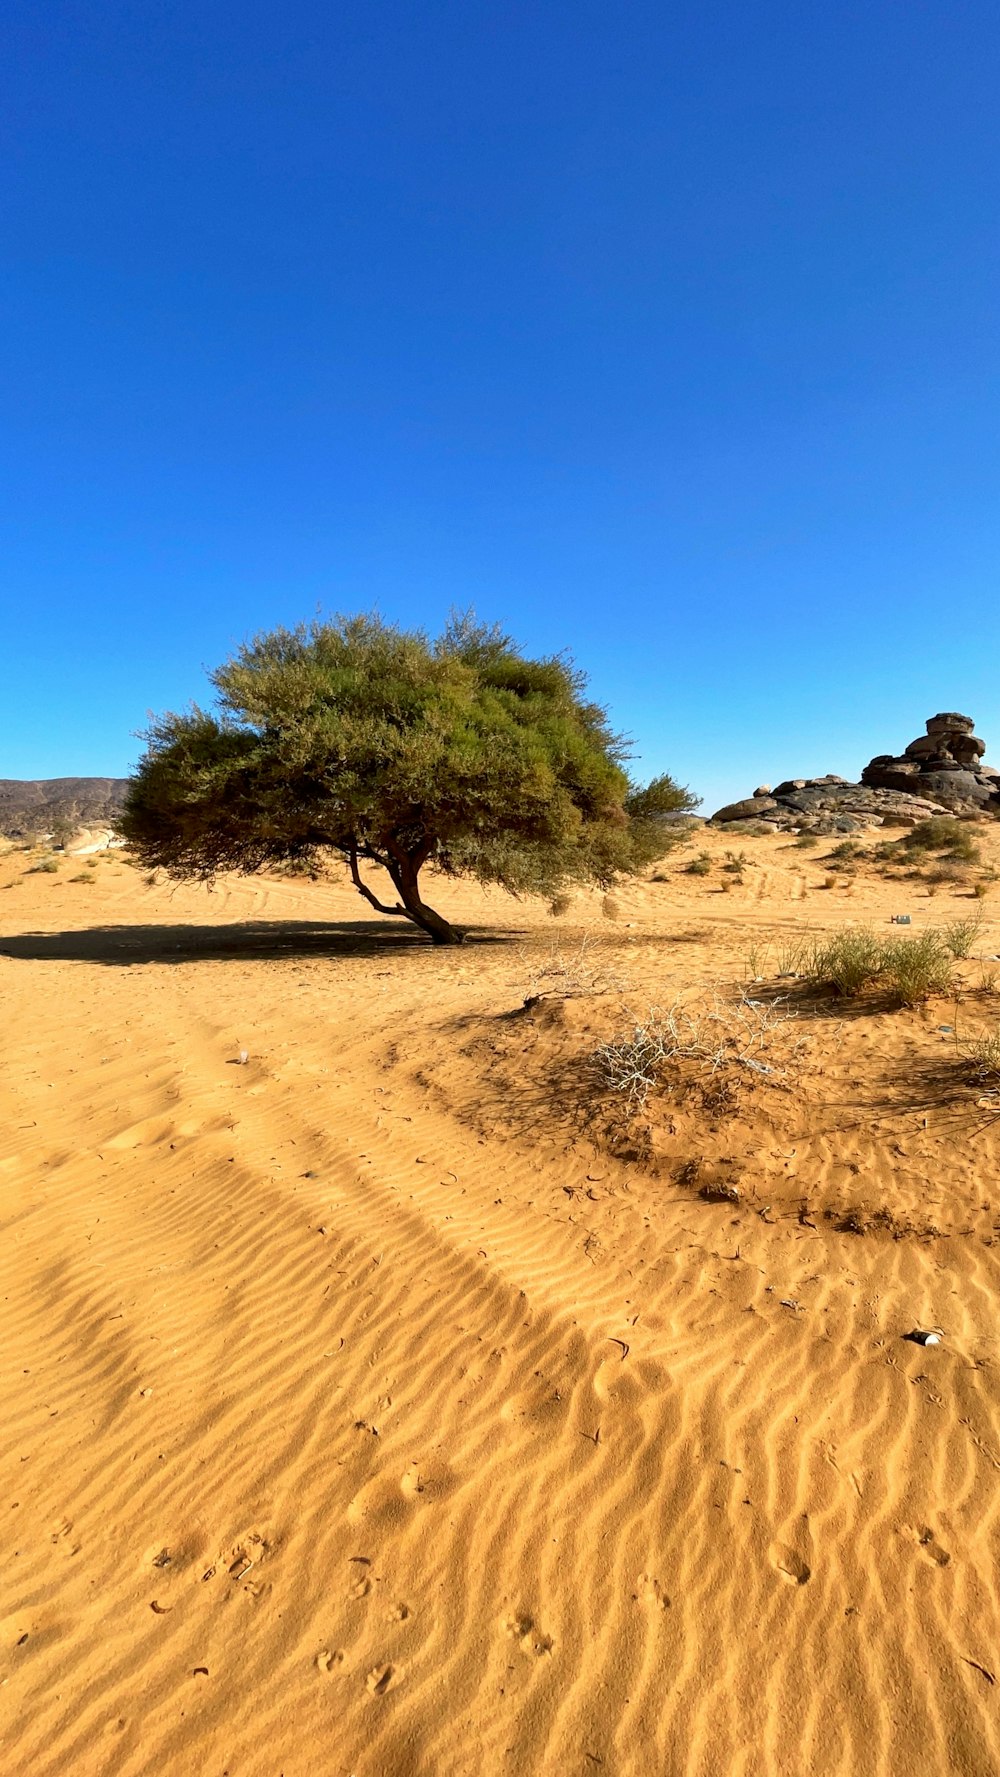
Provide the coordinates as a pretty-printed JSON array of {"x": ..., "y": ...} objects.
[
  {"x": 848, "y": 962},
  {"x": 959, "y": 935},
  {"x": 779, "y": 955},
  {"x": 984, "y": 1053},
  {"x": 942, "y": 833},
  {"x": 848, "y": 848},
  {"x": 805, "y": 841},
  {"x": 360, "y": 738},
  {"x": 46, "y": 867},
  {"x": 888, "y": 852},
  {"x": 699, "y": 866},
  {"x": 942, "y": 839},
  {"x": 907, "y": 969},
  {"x": 914, "y": 968},
  {"x": 734, "y": 863}
]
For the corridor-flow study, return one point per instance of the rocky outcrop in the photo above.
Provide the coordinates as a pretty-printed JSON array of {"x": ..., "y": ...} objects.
[
  {"x": 941, "y": 771},
  {"x": 945, "y": 764}
]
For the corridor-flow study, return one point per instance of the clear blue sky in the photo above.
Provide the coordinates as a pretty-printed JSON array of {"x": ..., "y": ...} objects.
[{"x": 664, "y": 332}]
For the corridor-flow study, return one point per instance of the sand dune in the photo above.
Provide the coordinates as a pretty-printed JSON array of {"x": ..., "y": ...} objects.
[{"x": 366, "y": 1410}]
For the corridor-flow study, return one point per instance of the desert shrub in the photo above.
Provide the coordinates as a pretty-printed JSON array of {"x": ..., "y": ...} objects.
[
  {"x": 611, "y": 908},
  {"x": 82, "y": 877},
  {"x": 983, "y": 1052},
  {"x": 791, "y": 955},
  {"x": 942, "y": 833},
  {"x": 887, "y": 852},
  {"x": 942, "y": 838},
  {"x": 980, "y": 890},
  {"x": 829, "y": 882},
  {"x": 849, "y": 962},
  {"x": 560, "y": 905},
  {"x": 660, "y": 876},
  {"x": 908, "y": 969},
  {"x": 947, "y": 870},
  {"x": 959, "y": 935},
  {"x": 699, "y": 866},
  {"x": 805, "y": 841},
  {"x": 719, "y": 1036},
  {"x": 682, "y": 826},
  {"x": 734, "y": 863},
  {"x": 914, "y": 968},
  {"x": 630, "y": 1065},
  {"x": 756, "y": 958},
  {"x": 566, "y": 975},
  {"x": 45, "y": 867},
  {"x": 776, "y": 957},
  {"x": 848, "y": 848}
]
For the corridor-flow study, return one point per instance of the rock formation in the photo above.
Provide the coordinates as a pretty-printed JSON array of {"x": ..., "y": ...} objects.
[
  {"x": 945, "y": 764},
  {"x": 44, "y": 805},
  {"x": 941, "y": 771}
]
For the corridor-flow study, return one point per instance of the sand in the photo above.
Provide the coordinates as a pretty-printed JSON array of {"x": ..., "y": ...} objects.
[{"x": 373, "y": 1407}]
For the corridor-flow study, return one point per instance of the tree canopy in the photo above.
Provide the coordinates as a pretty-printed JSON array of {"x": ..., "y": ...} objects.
[{"x": 397, "y": 751}]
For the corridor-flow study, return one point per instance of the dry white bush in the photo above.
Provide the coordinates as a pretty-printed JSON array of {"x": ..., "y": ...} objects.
[
  {"x": 720, "y": 1032},
  {"x": 571, "y": 974}
]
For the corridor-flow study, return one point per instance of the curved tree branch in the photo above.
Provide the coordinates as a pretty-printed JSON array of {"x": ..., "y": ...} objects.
[{"x": 363, "y": 889}]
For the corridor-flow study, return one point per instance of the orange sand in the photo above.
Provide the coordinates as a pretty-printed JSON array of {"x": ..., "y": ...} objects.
[{"x": 362, "y": 1413}]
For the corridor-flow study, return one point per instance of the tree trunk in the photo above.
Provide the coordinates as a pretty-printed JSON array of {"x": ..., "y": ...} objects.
[
  {"x": 404, "y": 870},
  {"x": 405, "y": 875}
]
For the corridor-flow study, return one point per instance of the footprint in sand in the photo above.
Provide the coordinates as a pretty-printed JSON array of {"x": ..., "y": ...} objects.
[
  {"x": 525, "y": 1631},
  {"x": 651, "y": 1592},
  {"x": 928, "y": 1544},
  {"x": 380, "y": 1505},
  {"x": 328, "y": 1659},
  {"x": 379, "y": 1679},
  {"x": 790, "y": 1565}
]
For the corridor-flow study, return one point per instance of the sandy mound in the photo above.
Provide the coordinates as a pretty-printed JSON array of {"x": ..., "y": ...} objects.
[{"x": 373, "y": 1406}]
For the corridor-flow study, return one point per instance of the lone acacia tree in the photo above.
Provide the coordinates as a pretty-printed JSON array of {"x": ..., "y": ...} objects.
[{"x": 355, "y": 737}]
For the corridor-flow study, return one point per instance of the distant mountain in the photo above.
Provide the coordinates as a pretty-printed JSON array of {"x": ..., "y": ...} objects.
[{"x": 45, "y": 805}]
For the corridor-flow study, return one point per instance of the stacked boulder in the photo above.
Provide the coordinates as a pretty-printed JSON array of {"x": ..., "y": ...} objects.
[
  {"x": 941, "y": 771},
  {"x": 945, "y": 764}
]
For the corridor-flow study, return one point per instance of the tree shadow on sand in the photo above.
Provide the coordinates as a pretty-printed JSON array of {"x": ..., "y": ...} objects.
[{"x": 279, "y": 940}]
